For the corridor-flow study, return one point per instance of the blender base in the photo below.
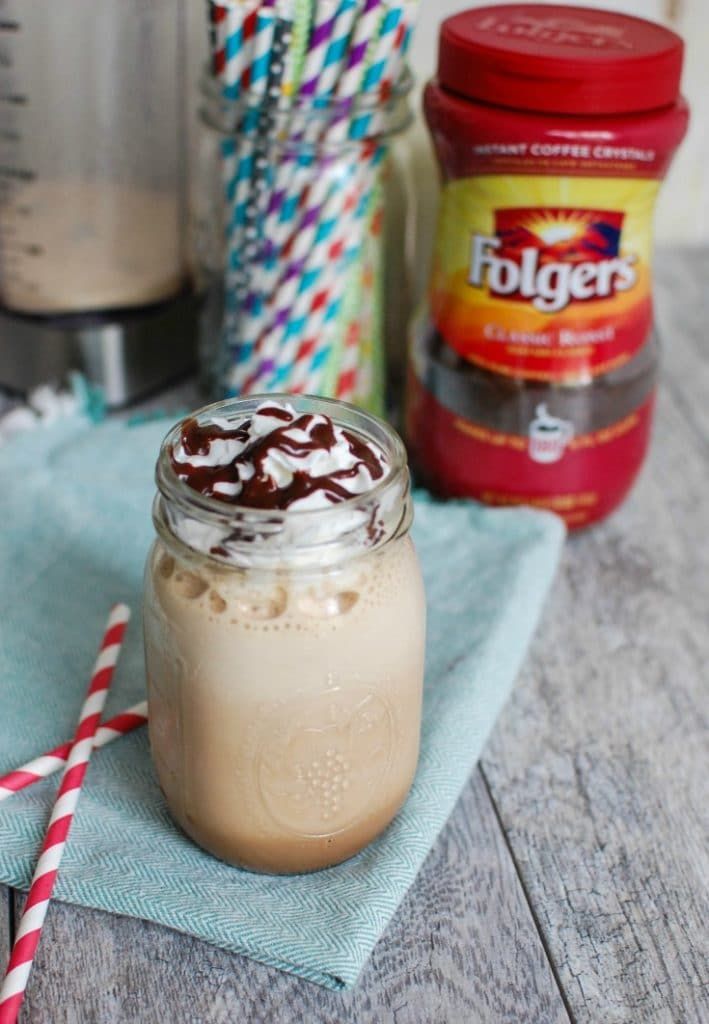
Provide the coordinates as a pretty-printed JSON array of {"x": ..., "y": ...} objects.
[{"x": 127, "y": 354}]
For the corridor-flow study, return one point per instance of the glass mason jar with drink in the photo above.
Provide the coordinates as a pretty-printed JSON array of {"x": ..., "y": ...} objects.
[{"x": 284, "y": 630}]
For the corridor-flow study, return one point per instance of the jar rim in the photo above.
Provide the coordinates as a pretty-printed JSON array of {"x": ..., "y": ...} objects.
[
  {"x": 312, "y": 531},
  {"x": 224, "y": 114}
]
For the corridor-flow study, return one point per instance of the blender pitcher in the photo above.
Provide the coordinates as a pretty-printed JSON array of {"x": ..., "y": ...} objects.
[{"x": 94, "y": 268}]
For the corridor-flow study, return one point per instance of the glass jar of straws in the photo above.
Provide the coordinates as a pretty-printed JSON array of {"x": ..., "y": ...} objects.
[{"x": 298, "y": 109}]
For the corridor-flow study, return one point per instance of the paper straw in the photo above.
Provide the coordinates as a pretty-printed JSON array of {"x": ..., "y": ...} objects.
[
  {"x": 293, "y": 258},
  {"x": 263, "y": 171},
  {"x": 313, "y": 320},
  {"x": 336, "y": 53},
  {"x": 346, "y": 223},
  {"x": 388, "y": 43},
  {"x": 356, "y": 371},
  {"x": 357, "y": 315},
  {"x": 364, "y": 33},
  {"x": 327, "y": 49},
  {"x": 256, "y": 76},
  {"x": 300, "y": 15},
  {"x": 347, "y": 378},
  {"x": 374, "y": 77},
  {"x": 323, "y": 65},
  {"x": 325, "y": 16},
  {"x": 233, "y": 27},
  {"x": 29, "y": 929},
  {"x": 387, "y": 61},
  {"x": 369, "y": 387},
  {"x": 319, "y": 243},
  {"x": 47, "y": 764},
  {"x": 247, "y": 247},
  {"x": 240, "y": 39},
  {"x": 315, "y": 310}
]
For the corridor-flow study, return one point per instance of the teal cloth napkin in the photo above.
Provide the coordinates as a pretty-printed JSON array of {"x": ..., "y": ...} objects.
[{"x": 75, "y": 514}]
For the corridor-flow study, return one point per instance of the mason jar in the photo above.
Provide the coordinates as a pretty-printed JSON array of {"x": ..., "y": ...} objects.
[
  {"x": 284, "y": 656},
  {"x": 289, "y": 223}
]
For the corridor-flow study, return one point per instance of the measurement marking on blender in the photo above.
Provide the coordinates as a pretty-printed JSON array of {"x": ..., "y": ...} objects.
[
  {"x": 17, "y": 173},
  {"x": 91, "y": 220},
  {"x": 11, "y": 245}
]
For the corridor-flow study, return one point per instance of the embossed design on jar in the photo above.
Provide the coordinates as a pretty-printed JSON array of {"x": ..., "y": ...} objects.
[
  {"x": 165, "y": 686},
  {"x": 320, "y": 757}
]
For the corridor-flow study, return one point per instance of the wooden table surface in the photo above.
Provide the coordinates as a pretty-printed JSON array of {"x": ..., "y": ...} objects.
[{"x": 571, "y": 881}]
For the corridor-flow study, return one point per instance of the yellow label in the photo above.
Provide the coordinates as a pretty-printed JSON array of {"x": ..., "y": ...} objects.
[{"x": 544, "y": 276}]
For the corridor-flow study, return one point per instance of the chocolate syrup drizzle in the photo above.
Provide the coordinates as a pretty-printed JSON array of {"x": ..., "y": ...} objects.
[{"x": 261, "y": 491}]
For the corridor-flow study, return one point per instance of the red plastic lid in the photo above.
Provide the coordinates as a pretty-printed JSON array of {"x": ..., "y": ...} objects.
[{"x": 566, "y": 60}]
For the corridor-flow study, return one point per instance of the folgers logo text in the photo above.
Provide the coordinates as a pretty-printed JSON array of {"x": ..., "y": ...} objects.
[{"x": 552, "y": 257}]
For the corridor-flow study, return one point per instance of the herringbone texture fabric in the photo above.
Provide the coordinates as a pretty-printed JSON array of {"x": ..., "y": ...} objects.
[{"x": 75, "y": 514}]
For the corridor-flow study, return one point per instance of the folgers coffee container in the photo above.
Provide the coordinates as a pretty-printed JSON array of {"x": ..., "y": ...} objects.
[{"x": 533, "y": 371}]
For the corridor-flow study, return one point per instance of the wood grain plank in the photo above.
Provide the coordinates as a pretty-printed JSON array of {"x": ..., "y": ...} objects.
[
  {"x": 683, "y": 316},
  {"x": 599, "y": 766},
  {"x": 4, "y": 927},
  {"x": 463, "y": 948}
]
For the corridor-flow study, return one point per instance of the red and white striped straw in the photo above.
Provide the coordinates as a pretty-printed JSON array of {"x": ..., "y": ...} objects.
[
  {"x": 54, "y": 760},
  {"x": 29, "y": 930}
]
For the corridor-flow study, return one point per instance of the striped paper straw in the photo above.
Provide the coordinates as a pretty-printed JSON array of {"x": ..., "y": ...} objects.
[
  {"x": 314, "y": 317},
  {"x": 240, "y": 36},
  {"x": 327, "y": 49},
  {"x": 313, "y": 310},
  {"x": 301, "y": 294},
  {"x": 338, "y": 46},
  {"x": 319, "y": 372},
  {"x": 333, "y": 21},
  {"x": 347, "y": 379},
  {"x": 249, "y": 43},
  {"x": 365, "y": 30},
  {"x": 252, "y": 192},
  {"x": 354, "y": 380},
  {"x": 359, "y": 329},
  {"x": 233, "y": 27},
  {"x": 256, "y": 78},
  {"x": 387, "y": 61},
  {"x": 29, "y": 929},
  {"x": 325, "y": 18},
  {"x": 346, "y": 225},
  {"x": 374, "y": 75},
  {"x": 47, "y": 764},
  {"x": 315, "y": 227}
]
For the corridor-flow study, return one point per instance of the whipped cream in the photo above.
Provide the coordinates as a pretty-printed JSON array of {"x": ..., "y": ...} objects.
[{"x": 277, "y": 459}]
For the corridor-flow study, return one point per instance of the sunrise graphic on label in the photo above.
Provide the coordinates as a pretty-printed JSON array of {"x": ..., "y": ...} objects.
[{"x": 552, "y": 257}]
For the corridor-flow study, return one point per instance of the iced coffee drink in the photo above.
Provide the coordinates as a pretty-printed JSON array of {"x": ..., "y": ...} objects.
[{"x": 284, "y": 629}]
